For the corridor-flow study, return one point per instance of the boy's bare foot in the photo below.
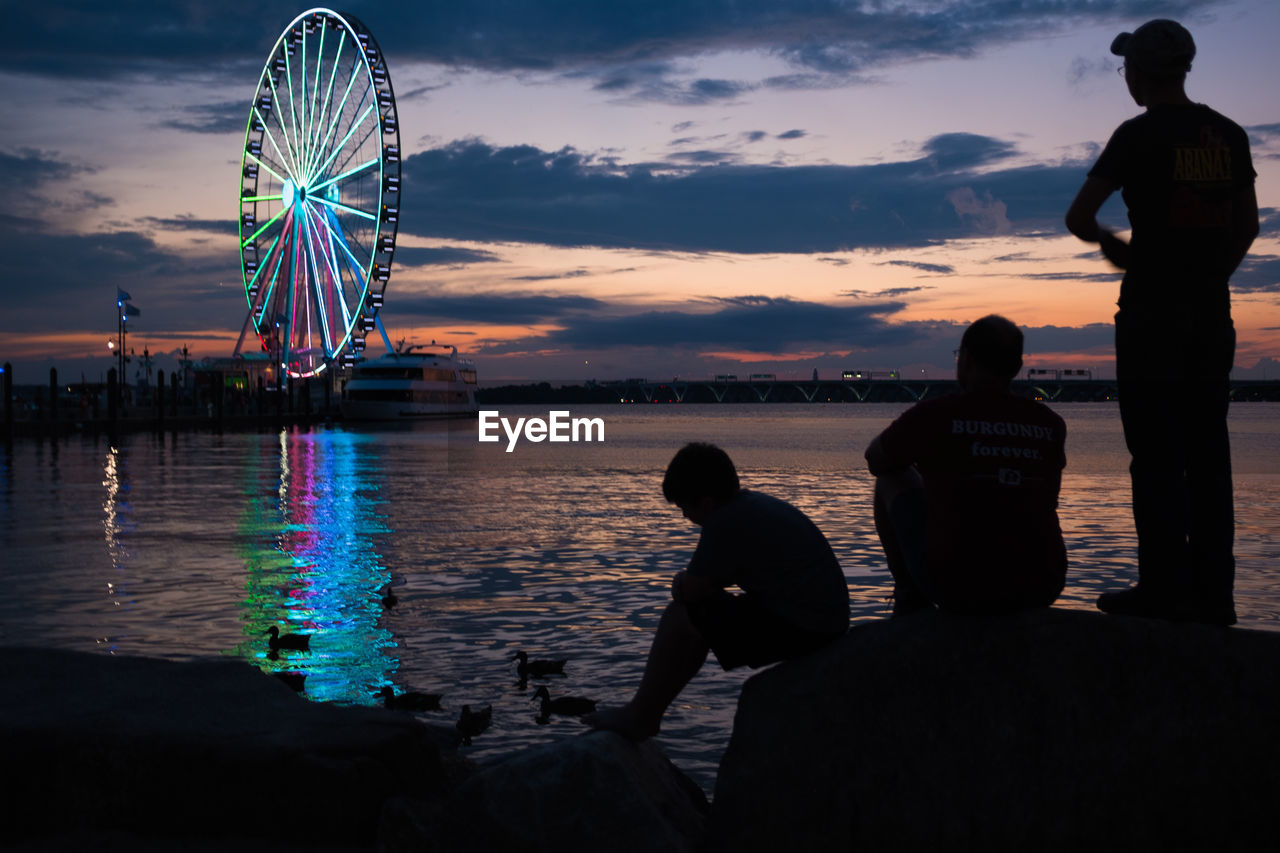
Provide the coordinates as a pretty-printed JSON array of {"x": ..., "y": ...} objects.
[{"x": 626, "y": 721}]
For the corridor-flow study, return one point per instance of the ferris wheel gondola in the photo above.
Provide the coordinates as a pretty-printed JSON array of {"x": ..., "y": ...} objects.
[{"x": 319, "y": 193}]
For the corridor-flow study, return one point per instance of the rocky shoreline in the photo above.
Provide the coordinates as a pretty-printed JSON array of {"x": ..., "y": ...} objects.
[{"x": 1049, "y": 730}]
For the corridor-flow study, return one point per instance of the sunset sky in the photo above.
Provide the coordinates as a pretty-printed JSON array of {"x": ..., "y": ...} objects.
[{"x": 610, "y": 188}]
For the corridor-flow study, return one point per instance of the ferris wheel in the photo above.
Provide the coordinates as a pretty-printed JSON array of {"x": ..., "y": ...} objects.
[{"x": 319, "y": 193}]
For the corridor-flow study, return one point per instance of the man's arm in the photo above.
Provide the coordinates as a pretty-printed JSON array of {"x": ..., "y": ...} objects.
[
  {"x": 878, "y": 461},
  {"x": 1082, "y": 221},
  {"x": 690, "y": 589},
  {"x": 1244, "y": 225}
]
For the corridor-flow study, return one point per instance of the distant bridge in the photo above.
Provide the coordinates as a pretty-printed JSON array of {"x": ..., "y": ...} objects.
[{"x": 769, "y": 389}]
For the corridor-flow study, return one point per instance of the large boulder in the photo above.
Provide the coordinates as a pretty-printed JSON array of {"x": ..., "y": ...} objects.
[
  {"x": 585, "y": 794},
  {"x": 202, "y": 749},
  {"x": 1047, "y": 730}
]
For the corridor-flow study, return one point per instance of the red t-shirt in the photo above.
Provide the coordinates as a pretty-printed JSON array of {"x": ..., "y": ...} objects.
[{"x": 992, "y": 465}]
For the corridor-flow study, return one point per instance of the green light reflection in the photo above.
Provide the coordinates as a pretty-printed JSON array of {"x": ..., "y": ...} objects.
[{"x": 306, "y": 535}]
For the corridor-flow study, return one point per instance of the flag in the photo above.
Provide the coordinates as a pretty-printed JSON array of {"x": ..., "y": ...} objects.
[
  {"x": 121, "y": 296},
  {"x": 132, "y": 311}
]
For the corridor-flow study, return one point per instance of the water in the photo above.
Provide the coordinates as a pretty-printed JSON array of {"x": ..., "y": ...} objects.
[{"x": 187, "y": 545}]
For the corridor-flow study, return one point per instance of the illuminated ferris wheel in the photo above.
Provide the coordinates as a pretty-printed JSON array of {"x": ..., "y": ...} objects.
[{"x": 319, "y": 193}]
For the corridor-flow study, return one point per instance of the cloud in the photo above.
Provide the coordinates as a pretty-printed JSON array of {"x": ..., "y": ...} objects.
[
  {"x": 220, "y": 117},
  {"x": 1257, "y": 274},
  {"x": 887, "y": 293},
  {"x": 503, "y": 307},
  {"x": 822, "y": 40},
  {"x": 792, "y": 134},
  {"x": 746, "y": 323},
  {"x": 470, "y": 190},
  {"x": 987, "y": 215},
  {"x": 945, "y": 269},
  {"x": 453, "y": 256},
  {"x": 83, "y": 270}
]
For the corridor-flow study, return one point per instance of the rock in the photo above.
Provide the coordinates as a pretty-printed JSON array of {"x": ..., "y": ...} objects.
[
  {"x": 595, "y": 792},
  {"x": 1048, "y": 730},
  {"x": 208, "y": 749}
]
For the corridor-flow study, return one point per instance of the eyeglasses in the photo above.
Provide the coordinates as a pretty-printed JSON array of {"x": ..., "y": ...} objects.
[{"x": 1120, "y": 70}]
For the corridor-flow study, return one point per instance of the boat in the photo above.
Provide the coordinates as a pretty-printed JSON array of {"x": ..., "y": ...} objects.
[{"x": 415, "y": 381}]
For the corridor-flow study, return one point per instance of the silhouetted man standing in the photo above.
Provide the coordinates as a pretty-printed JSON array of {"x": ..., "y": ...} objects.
[{"x": 1186, "y": 176}]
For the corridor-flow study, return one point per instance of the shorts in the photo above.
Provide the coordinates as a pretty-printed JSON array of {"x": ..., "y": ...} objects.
[{"x": 743, "y": 633}]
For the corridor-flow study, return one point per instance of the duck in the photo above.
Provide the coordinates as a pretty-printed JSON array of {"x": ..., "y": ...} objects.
[
  {"x": 388, "y": 597},
  {"x": 569, "y": 706},
  {"x": 409, "y": 701},
  {"x": 537, "y": 668},
  {"x": 471, "y": 723},
  {"x": 297, "y": 642}
]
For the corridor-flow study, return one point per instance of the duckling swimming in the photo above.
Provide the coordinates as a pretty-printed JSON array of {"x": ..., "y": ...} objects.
[
  {"x": 409, "y": 701},
  {"x": 297, "y": 642}
]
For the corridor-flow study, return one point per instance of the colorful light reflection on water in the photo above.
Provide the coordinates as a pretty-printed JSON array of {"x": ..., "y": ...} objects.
[{"x": 307, "y": 541}]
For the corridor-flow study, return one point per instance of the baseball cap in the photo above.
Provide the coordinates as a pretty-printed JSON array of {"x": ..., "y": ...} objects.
[{"x": 1159, "y": 45}]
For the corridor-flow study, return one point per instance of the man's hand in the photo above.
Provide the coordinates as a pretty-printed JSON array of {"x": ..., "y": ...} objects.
[
  {"x": 1114, "y": 249},
  {"x": 688, "y": 589}
]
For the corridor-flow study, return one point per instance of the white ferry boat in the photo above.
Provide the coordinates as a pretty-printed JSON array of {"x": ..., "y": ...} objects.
[{"x": 415, "y": 381}]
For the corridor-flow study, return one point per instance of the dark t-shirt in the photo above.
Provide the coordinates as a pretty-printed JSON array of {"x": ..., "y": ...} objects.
[
  {"x": 774, "y": 553},
  {"x": 992, "y": 465},
  {"x": 1178, "y": 167}
]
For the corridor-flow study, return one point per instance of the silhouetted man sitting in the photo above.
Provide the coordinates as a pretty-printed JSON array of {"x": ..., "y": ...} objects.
[{"x": 966, "y": 494}]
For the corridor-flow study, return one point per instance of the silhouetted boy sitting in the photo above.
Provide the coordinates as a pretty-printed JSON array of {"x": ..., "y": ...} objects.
[{"x": 794, "y": 596}]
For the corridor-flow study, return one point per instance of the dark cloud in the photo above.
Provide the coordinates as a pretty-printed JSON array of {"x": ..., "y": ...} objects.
[
  {"x": 1257, "y": 274},
  {"x": 821, "y": 39},
  {"x": 1113, "y": 277},
  {"x": 792, "y": 134},
  {"x": 513, "y": 308},
  {"x": 221, "y": 117},
  {"x": 554, "y": 276},
  {"x": 1269, "y": 221},
  {"x": 469, "y": 190},
  {"x": 228, "y": 227},
  {"x": 887, "y": 293},
  {"x": 417, "y": 256},
  {"x": 945, "y": 269},
  {"x": 749, "y": 323},
  {"x": 80, "y": 272}
]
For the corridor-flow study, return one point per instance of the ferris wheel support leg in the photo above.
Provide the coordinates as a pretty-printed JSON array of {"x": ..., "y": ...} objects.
[
  {"x": 386, "y": 341},
  {"x": 248, "y": 322}
]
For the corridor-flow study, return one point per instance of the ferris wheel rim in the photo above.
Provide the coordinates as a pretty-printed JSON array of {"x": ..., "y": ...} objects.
[{"x": 328, "y": 217}]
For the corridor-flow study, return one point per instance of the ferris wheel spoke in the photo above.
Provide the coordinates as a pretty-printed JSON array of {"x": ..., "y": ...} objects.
[
  {"x": 266, "y": 165},
  {"x": 328, "y": 97},
  {"x": 287, "y": 161},
  {"x": 284, "y": 131},
  {"x": 293, "y": 110},
  {"x": 271, "y": 284},
  {"x": 263, "y": 228},
  {"x": 347, "y": 174},
  {"x": 331, "y": 265},
  {"x": 337, "y": 205},
  {"x": 353, "y": 263},
  {"x": 342, "y": 145},
  {"x": 314, "y": 247},
  {"x": 315, "y": 95},
  {"x": 249, "y": 284},
  {"x": 339, "y": 111}
]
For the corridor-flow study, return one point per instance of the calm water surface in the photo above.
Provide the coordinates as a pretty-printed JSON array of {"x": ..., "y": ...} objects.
[{"x": 188, "y": 545}]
